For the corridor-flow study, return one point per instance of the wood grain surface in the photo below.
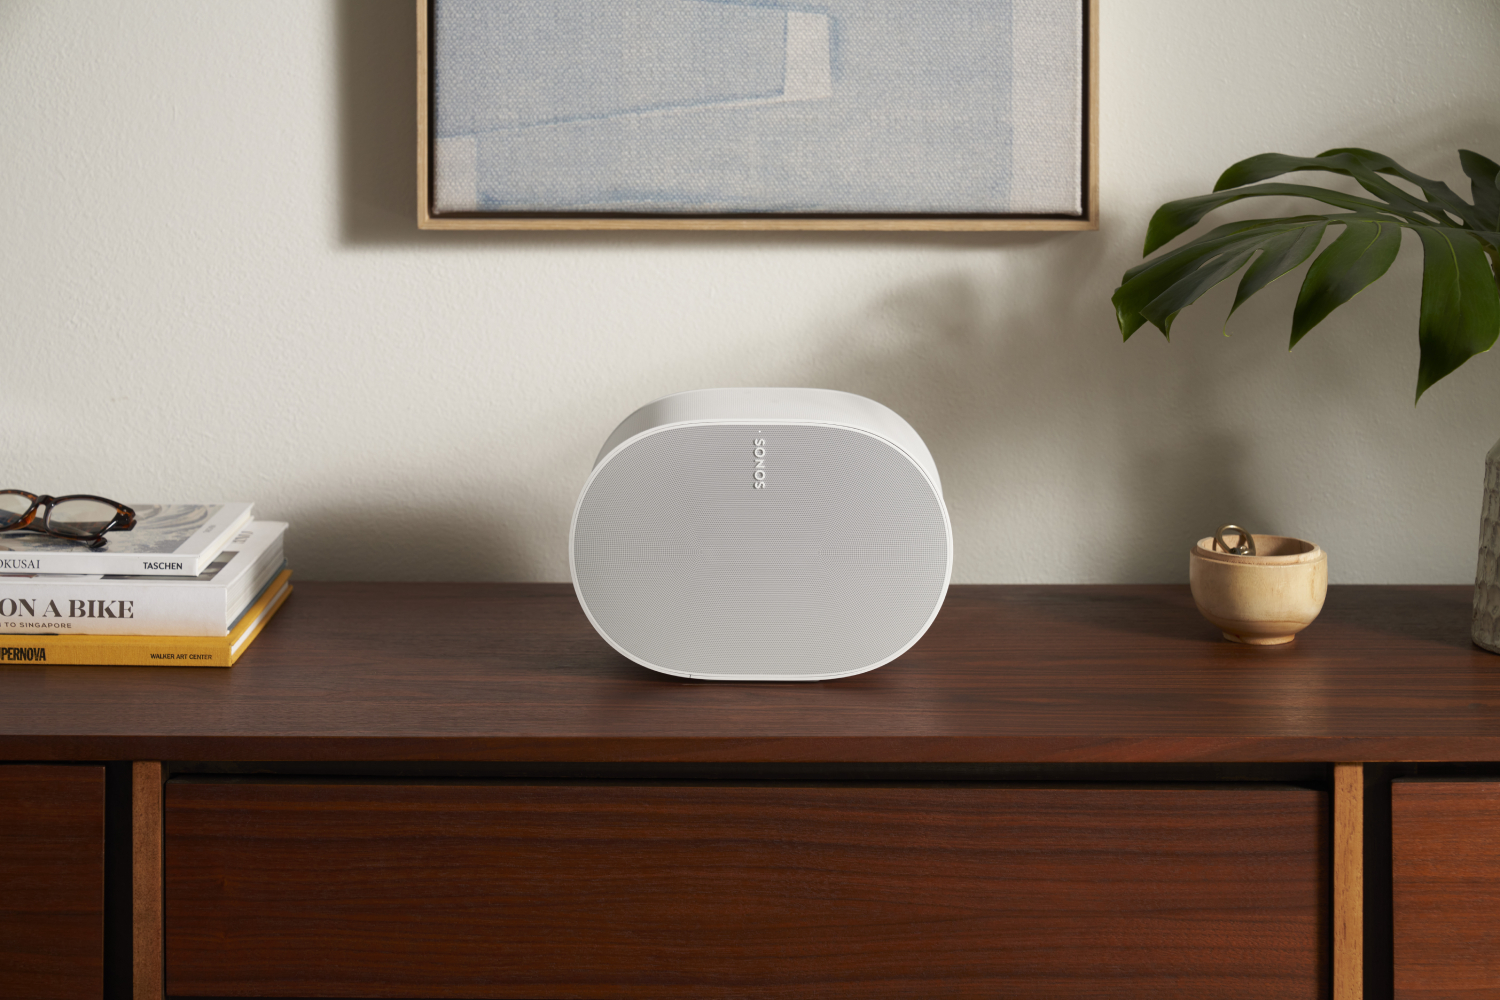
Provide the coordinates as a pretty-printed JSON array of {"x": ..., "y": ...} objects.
[
  {"x": 145, "y": 880},
  {"x": 1348, "y": 881},
  {"x": 51, "y": 882},
  {"x": 1445, "y": 845},
  {"x": 513, "y": 672},
  {"x": 699, "y": 890}
]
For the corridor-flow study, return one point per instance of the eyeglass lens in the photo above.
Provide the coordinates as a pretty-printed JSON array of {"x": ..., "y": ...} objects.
[
  {"x": 13, "y": 506},
  {"x": 81, "y": 518}
]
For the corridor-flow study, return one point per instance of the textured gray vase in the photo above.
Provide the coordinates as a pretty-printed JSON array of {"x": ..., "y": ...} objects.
[{"x": 1487, "y": 576}]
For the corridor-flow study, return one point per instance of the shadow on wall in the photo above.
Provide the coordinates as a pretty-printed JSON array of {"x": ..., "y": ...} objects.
[
  {"x": 1028, "y": 408},
  {"x": 377, "y": 60},
  {"x": 455, "y": 537}
]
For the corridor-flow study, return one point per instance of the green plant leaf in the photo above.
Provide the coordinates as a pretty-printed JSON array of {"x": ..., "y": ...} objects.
[
  {"x": 1133, "y": 296},
  {"x": 1150, "y": 279},
  {"x": 1336, "y": 161},
  {"x": 1280, "y": 254},
  {"x": 1361, "y": 254},
  {"x": 1440, "y": 197},
  {"x": 1177, "y": 217},
  {"x": 1493, "y": 239},
  {"x": 1263, "y": 167},
  {"x": 1163, "y": 309},
  {"x": 1365, "y": 166},
  {"x": 1460, "y": 314},
  {"x": 1482, "y": 171},
  {"x": 1460, "y": 304},
  {"x": 1221, "y": 236}
]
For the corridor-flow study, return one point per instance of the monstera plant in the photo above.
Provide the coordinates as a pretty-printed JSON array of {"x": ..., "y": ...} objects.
[{"x": 1460, "y": 310}]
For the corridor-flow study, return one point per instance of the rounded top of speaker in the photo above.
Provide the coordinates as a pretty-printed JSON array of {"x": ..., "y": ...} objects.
[
  {"x": 803, "y": 406},
  {"x": 762, "y": 534}
]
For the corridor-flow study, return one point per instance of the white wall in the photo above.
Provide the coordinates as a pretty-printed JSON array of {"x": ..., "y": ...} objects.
[{"x": 212, "y": 287}]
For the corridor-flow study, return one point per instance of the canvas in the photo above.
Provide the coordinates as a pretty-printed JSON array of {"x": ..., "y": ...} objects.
[{"x": 946, "y": 107}]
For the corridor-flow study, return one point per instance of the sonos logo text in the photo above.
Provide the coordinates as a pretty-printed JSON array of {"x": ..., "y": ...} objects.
[{"x": 760, "y": 463}]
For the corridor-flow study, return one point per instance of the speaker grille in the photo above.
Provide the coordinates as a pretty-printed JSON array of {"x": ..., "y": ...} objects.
[{"x": 836, "y": 565}]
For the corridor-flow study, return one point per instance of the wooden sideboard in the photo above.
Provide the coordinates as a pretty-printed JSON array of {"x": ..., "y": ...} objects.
[{"x": 441, "y": 790}]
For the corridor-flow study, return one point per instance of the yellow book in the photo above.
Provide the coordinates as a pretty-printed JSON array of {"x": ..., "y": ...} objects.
[{"x": 148, "y": 650}]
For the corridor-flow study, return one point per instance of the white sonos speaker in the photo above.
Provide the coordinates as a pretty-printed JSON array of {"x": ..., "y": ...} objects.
[{"x": 762, "y": 534}]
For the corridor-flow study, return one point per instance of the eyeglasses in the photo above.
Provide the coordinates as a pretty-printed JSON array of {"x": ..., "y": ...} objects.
[{"x": 79, "y": 517}]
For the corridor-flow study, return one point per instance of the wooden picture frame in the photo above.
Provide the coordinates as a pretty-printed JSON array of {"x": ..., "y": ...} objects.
[{"x": 428, "y": 218}]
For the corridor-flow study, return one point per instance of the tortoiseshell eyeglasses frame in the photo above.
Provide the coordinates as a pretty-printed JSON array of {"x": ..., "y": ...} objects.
[{"x": 123, "y": 520}]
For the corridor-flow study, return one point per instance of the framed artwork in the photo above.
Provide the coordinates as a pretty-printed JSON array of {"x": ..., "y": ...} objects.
[{"x": 757, "y": 114}]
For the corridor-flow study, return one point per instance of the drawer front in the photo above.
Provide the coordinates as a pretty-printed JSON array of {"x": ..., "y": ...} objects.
[
  {"x": 1445, "y": 852},
  {"x": 513, "y": 890},
  {"x": 51, "y": 882}
]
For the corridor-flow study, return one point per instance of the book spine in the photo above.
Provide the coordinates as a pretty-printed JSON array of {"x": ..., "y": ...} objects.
[
  {"x": 39, "y": 605},
  {"x": 91, "y": 563},
  {"x": 157, "y": 651},
  {"x": 147, "y": 650}
]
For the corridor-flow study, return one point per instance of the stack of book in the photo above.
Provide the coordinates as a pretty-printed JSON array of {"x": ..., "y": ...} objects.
[{"x": 191, "y": 585}]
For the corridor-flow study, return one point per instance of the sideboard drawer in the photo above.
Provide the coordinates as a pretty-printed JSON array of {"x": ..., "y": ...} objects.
[
  {"x": 51, "y": 882},
  {"x": 1445, "y": 852},
  {"x": 744, "y": 890}
]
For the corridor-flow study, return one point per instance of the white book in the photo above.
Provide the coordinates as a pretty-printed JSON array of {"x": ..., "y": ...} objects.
[
  {"x": 205, "y": 605},
  {"x": 175, "y": 539}
]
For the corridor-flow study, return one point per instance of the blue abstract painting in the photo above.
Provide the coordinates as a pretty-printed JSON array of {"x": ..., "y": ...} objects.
[{"x": 716, "y": 107}]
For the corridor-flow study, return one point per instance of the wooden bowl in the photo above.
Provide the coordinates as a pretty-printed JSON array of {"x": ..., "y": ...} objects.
[{"x": 1264, "y": 599}]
